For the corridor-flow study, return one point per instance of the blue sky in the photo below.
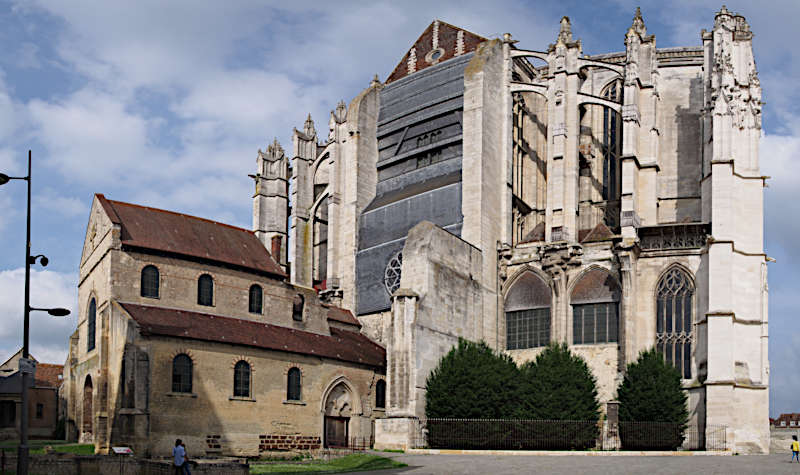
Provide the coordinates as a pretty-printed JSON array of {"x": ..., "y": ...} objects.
[{"x": 166, "y": 103}]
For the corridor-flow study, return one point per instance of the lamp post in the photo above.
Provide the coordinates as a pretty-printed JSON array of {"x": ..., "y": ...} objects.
[{"x": 26, "y": 365}]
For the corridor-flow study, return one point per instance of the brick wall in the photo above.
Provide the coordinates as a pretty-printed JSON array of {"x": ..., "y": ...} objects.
[{"x": 288, "y": 442}]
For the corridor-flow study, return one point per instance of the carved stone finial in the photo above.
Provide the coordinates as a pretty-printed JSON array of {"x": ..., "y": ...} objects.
[
  {"x": 274, "y": 150},
  {"x": 565, "y": 33},
  {"x": 375, "y": 81},
  {"x": 723, "y": 11},
  {"x": 435, "y": 39},
  {"x": 637, "y": 26},
  {"x": 308, "y": 127},
  {"x": 459, "y": 43}
]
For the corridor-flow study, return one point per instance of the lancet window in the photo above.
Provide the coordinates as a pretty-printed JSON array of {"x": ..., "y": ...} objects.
[
  {"x": 675, "y": 319},
  {"x": 527, "y": 307}
]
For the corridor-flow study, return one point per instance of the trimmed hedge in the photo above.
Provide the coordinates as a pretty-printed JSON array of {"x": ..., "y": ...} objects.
[{"x": 652, "y": 405}]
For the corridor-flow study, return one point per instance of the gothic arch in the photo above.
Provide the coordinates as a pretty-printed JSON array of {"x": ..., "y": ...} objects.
[
  {"x": 355, "y": 399},
  {"x": 527, "y": 305},
  {"x": 582, "y": 274},
  {"x": 675, "y": 301},
  {"x": 87, "y": 424},
  {"x": 594, "y": 297},
  {"x": 519, "y": 272},
  {"x": 680, "y": 265}
]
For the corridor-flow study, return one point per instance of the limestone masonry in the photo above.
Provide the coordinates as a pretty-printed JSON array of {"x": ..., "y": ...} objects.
[{"x": 486, "y": 191}]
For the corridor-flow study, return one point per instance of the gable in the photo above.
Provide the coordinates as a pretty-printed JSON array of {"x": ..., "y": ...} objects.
[
  {"x": 439, "y": 42},
  {"x": 98, "y": 227}
]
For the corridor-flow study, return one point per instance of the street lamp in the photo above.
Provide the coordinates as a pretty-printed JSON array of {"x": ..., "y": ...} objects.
[{"x": 26, "y": 364}]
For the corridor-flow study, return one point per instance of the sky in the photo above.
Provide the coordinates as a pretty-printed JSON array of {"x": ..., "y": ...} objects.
[{"x": 166, "y": 103}]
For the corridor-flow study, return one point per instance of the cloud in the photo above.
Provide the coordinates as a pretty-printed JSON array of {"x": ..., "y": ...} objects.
[{"x": 49, "y": 336}]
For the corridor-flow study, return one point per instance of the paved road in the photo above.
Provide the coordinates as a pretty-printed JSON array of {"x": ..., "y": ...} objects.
[{"x": 501, "y": 465}]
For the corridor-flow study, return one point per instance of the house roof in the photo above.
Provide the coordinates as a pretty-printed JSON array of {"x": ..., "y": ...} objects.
[
  {"x": 175, "y": 233},
  {"x": 444, "y": 36},
  {"x": 342, "y": 345},
  {"x": 341, "y": 315},
  {"x": 48, "y": 375}
]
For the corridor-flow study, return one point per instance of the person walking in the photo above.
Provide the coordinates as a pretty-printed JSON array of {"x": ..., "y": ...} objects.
[
  {"x": 795, "y": 449},
  {"x": 179, "y": 456}
]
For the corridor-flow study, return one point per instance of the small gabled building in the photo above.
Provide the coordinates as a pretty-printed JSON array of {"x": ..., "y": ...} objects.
[
  {"x": 188, "y": 329},
  {"x": 43, "y": 399}
]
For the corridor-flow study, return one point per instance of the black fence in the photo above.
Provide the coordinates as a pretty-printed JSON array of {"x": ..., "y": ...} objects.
[{"x": 511, "y": 434}]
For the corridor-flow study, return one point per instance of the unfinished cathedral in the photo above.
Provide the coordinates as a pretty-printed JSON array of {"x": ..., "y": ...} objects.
[{"x": 520, "y": 197}]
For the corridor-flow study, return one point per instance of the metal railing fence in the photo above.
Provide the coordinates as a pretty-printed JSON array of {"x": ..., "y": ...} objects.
[{"x": 517, "y": 434}]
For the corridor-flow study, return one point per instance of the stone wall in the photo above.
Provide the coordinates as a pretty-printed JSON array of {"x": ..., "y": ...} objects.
[{"x": 102, "y": 465}]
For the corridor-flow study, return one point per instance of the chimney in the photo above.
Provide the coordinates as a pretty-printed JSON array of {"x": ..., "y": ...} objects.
[{"x": 276, "y": 247}]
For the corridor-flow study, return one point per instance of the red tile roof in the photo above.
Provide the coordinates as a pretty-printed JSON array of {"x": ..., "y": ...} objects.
[
  {"x": 342, "y": 345},
  {"x": 341, "y": 315},
  {"x": 47, "y": 375},
  {"x": 176, "y": 233},
  {"x": 447, "y": 37}
]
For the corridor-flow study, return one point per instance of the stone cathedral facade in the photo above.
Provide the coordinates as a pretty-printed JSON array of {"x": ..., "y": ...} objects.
[{"x": 518, "y": 196}]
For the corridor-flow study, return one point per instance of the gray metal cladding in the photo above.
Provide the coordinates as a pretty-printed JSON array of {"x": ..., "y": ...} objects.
[{"x": 419, "y": 171}]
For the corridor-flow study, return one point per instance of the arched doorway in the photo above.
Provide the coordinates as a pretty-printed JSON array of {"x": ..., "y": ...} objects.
[
  {"x": 87, "y": 426},
  {"x": 338, "y": 408}
]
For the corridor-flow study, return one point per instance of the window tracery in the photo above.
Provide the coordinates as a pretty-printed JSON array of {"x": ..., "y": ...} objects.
[
  {"x": 392, "y": 273},
  {"x": 675, "y": 319}
]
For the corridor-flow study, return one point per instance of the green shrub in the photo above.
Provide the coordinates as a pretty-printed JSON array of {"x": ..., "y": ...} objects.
[
  {"x": 652, "y": 404},
  {"x": 472, "y": 382},
  {"x": 559, "y": 386}
]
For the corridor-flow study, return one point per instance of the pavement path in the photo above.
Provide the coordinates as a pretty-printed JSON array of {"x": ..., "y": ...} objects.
[{"x": 511, "y": 464}]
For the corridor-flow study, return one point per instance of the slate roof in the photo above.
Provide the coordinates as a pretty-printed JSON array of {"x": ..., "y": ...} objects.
[
  {"x": 47, "y": 375},
  {"x": 175, "y": 233},
  {"x": 342, "y": 345},
  {"x": 447, "y": 36}
]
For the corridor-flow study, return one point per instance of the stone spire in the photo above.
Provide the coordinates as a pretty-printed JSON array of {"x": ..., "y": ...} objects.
[
  {"x": 308, "y": 127},
  {"x": 565, "y": 33},
  {"x": 637, "y": 26}
]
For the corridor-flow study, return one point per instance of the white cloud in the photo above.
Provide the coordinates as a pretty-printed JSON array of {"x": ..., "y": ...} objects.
[
  {"x": 92, "y": 138},
  {"x": 49, "y": 336}
]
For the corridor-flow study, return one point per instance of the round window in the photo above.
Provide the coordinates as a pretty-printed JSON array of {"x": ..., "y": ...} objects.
[
  {"x": 434, "y": 55},
  {"x": 391, "y": 276}
]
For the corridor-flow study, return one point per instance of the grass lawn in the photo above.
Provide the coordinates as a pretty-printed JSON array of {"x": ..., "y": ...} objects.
[
  {"x": 37, "y": 447},
  {"x": 349, "y": 463}
]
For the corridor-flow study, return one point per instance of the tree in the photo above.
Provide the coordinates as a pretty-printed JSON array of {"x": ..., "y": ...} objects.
[
  {"x": 652, "y": 404},
  {"x": 559, "y": 386},
  {"x": 472, "y": 382}
]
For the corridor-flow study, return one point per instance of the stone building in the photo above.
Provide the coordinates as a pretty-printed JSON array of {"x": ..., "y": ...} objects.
[
  {"x": 520, "y": 196},
  {"x": 485, "y": 191},
  {"x": 188, "y": 329},
  {"x": 43, "y": 399}
]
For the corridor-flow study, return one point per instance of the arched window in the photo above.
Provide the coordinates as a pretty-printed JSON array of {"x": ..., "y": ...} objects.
[
  {"x": 380, "y": 394},
  {"x": 297, "y": 308},
  {"x": 91, "y": 325},
  {"x": 182, "y": 374},
  {"x": 205, "y": 290},
  {"x": 293, "y": 388},
  {"x": 675, "y": 318},
  {"x": 241, "y": 379},
  {"x": 527, "y": 307},
  {"x": 149, "y": 287},
  {"x": 255, "y": 298},
  {"x": 595, "y": 309}
]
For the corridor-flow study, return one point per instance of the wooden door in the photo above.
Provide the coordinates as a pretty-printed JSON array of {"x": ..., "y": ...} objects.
[{"x": 336, "y": 431}]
